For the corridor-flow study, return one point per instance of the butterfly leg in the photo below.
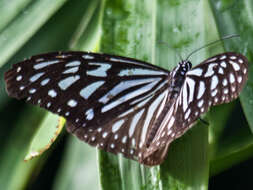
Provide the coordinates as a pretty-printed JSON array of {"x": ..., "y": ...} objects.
[{"x": 203, "y": 121}]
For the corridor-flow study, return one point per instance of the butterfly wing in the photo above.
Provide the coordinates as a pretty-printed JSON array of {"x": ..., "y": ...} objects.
[
  {"x": 108, "y": 101},
  {"x": 217, "y": 80}
]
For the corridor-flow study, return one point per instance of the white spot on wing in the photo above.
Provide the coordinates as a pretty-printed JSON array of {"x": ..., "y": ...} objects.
[
  {"x": 72, "y": 103},
  {"x": 224, "y": 82},
  {"x": 90, "y": 89},
  {"x": 19, "y": 78},
  {"x": 223, "y": 57},
  {"x": 87, "y": 56},
  {"x": 89, "y": 114},
  {"x": 214, "y": 82},
  {"x": 231, "y": 78},
  {"x": 52, "y": 93},
  {"x": 223, "y": 64},
  {"x": 32, "y": 91},
  {"x": 235, "y": 65}
]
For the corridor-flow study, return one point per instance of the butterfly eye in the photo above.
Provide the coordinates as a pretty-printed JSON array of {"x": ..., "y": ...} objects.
[{"x": 123, "y": 105}]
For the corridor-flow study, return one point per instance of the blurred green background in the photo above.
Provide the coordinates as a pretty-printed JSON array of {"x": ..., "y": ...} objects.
[{"x": 215, "y": 157}]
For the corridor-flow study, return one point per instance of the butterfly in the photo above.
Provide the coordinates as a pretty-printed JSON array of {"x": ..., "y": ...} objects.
[{"x": 123, "y": 105}]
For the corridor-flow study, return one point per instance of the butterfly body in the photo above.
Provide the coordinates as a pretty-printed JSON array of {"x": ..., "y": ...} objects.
[{"x": 123, "y": 105}]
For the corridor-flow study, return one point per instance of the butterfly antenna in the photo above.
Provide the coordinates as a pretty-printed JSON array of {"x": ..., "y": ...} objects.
[
  {"x": 166, "y": 44},
  {"x": 212, "y": 43}
]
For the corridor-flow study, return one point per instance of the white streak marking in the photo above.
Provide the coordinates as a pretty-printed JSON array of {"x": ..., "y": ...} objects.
[
  {"x": 152, "y": 108},
  {"x": 210, "y": 70},
  {"x": 129, "y": 96},
  {"x": 201, "y": 89},
  {"x": 73, "y": 63},
  {"x": 187, "y": 114},
  {"x": 67, "y": 82},
  {"x": 71, "y": 70},
  {"x": 45, "y": 64},
  {"x": 116, "y": 126},
  {"x": 87, "y": 91},
  {"x": 191, "y": 85},
  {"x": 240, "y": 61},
  {"x": 122, "y": 86},
  {"x": 196, "y": 72},
  {"x": 233, "y": 57},
  {"x": 21, "y": 88},
  {"x": 225, "y": 91},
  {"x": 36, "y": 77},
  {"x": 52, "y": 93},
  {"x": 134, "y": 122},
  {"x": 100, "y": 71},
  {"x": 133, "y": 72},
  {"x": 112, "y": 146}
]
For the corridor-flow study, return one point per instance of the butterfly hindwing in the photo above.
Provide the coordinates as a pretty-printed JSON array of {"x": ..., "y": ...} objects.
[
  {"x": 217, "y": 80},
  {"x": 108, "y": 101}
]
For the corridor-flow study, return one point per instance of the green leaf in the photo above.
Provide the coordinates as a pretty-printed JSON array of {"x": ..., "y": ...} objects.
[{"x": 15, "y": 34}]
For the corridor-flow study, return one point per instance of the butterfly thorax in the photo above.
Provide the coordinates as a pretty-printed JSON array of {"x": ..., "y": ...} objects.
[{"x": 178, "y": 76}]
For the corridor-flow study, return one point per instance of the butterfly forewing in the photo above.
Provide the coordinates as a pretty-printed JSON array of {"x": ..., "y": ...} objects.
[{"x": 108, "y": 101}]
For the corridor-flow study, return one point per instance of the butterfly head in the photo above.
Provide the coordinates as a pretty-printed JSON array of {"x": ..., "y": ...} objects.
[{"x": 185, "y": 65}]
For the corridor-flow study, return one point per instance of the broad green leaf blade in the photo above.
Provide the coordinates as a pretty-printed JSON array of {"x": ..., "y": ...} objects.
[
  {"x": 10, "y": 9},
  {"x": 14, "y": 35},
  {"x": 78, "y": 168},
  {"x": 14, "y": 172},
  {"x": 45, "y": 136},
  {"x": 235, "y": 17}
]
